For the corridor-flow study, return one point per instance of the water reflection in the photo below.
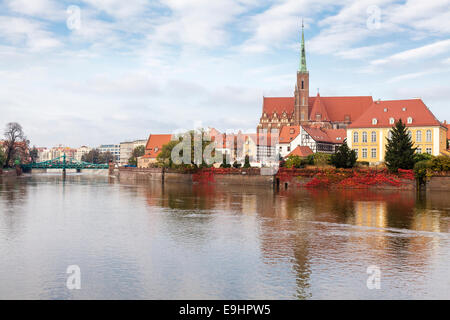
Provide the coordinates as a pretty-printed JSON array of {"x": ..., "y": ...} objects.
[{"x": 148, "y": 240}]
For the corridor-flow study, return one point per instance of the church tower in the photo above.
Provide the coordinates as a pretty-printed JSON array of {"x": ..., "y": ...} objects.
[{"x": 301, "y": 111}]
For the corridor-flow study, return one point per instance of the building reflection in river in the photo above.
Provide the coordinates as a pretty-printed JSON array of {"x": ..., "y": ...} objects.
[{"x": 389, "y": 229}]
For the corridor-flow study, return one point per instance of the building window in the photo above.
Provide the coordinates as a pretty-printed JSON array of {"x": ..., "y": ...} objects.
[
  {"x": 303, "y": 84},
  {"x": 429, "y": 150},
  {"x": 318, "y": 117},
  {"x": 428, "y": 135},
  {"x": 374, "y": 121},
  {"x": 409, "y": 120},
  {"x": 390, "y": 135},
  {"x": 364, "y": 153},
  {"x": 419, "y": 136},
  {"x": 292, "y": 130},
  {"x": 374, "y": 152},
  {"x": 303, "y": 116},
  {"x": 391, "y": 120},
  {"x": 374, "y": 136},
  {"x": 289, "y": 148},
  {"x": 364, "y": 137},
  {"x": 356, "y": 152},
  {"x": 410, "y": 134},
  {"x": 355, "y": 137},
  {"x": 419, "y": 150}
]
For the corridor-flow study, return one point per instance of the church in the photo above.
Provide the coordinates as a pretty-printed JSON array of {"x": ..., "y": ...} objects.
[
  {"x": 316, "y": 111},
  {"x": 309, "y": 124}
]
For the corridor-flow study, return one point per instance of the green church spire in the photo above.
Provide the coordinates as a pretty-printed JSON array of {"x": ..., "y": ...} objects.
[{"x": 302, "y": 67}]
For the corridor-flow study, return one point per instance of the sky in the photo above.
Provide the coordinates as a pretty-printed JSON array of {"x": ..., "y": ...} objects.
[{"x": 93, "y": 72}]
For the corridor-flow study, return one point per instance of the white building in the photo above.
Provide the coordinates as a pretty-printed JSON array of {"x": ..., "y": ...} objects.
[
  {"x": 126, "y": 150},
  {"x": 317, "y": 139},
  {"x": 81, "y": 151},
  {"x": 113, "y": 148}
]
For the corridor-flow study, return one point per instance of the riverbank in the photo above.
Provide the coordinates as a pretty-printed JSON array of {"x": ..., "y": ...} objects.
[{"x": 290, "y": 178}]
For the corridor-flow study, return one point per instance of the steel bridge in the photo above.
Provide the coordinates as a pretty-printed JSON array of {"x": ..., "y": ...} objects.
[{"x": 63, "y": 163}]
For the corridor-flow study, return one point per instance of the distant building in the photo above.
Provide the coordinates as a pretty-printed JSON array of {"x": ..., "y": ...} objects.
[
  {"x": 368, "y": 135},
  {"x": 314, "y": 138},
  {"x": 113, "y": 148},
  {"x": 81, "y": 151},
  {"x": 126, "y": 150},
  {"x": 153, "y": 147}
]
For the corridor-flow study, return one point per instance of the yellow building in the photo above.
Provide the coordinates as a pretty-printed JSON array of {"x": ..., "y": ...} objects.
[{"x": 369, "y": 133}]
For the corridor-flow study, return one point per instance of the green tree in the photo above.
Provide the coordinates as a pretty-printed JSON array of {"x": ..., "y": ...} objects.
[
  {"x": 224, "y": 163},
  {"x": 2, "y": 158},
  {"x": 247, "y": 162},
  {"x": 399, "y": 149},
  {"x": 164, "y": 158},
  {"x": 422, "y": 157},
  {"x": 92, "y": 156},
  {"x": 139, "y": 151},
  {"x": 34, "y": 155},
  {"x": 344, "y": 157},
  {"x": 295, "y": 162},
  {"x": 15, "y": 144},
  {"x": 236, "y": 165}
]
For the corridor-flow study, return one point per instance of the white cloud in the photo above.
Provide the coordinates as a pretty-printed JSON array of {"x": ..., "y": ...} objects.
[
  {"x": 426, "y": 51},
  {"x": 363, "y": 52},
  {"x": 200, "y": 23},
  {"x": 28, "y": 33},
  {"x": 47, "y": 9}
]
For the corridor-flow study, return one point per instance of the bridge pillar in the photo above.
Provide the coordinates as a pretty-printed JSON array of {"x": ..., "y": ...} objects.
[{"x": 111, "y": 167}]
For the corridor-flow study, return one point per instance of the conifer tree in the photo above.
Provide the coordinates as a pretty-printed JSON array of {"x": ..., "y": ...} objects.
[
  {"x": 344, "y": 157},
  {"x": 399, "y": 149}
]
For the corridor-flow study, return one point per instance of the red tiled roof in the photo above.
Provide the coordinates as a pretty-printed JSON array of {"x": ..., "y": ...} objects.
[
  {"x": 326, "y": 135},
  {"x": 289, "y": 133},
  {"x": 396, "y": 109},
  {"x": 278, "y": 105},
  {"x": 319, "y": 109},
  {"x": 338, "y": 108},
  {"x": 155, "y": 143},
  {"x": 335, "y": 109},
  {"x": 301, "y": 151},
  {"x": 336, "y": 135}
]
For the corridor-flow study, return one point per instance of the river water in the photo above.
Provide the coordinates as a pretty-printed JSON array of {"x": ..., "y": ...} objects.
[{"x": 148, "y": 241}]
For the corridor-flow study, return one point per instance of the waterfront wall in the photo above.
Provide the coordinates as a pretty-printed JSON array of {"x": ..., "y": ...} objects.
[
  {"x": 252, "y": 177},
  {"x": 438, "y": 183}
]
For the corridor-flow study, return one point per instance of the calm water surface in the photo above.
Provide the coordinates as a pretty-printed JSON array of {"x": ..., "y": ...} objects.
[{"x": 145, "y": 241}]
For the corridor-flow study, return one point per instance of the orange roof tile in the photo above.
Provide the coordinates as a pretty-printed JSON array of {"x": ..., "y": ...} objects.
[
  {"x": 383, "y": 111},
  {"x": 335, "y": 136},
  {"x": 155, "y": 143},
  {"x": 289, "y": 133},
  {"x": 319, "y": 111},
  {"x": 301, "y": 151},
  {"x": 335, "y": 109}
]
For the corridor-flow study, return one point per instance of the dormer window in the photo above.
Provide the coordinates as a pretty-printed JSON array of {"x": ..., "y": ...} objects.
[
  {"x": 292, "y": 130},
  {"x": 403, "y": 109},
  {"x": 318, "y": 116},
  {"x": 409, "y": 120},
  {"x": 347, "y": 117},
  {"x": 391, "y": 120},
  {"x": 374, "y": 121},
  {"x": 385, "y": 110}
]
